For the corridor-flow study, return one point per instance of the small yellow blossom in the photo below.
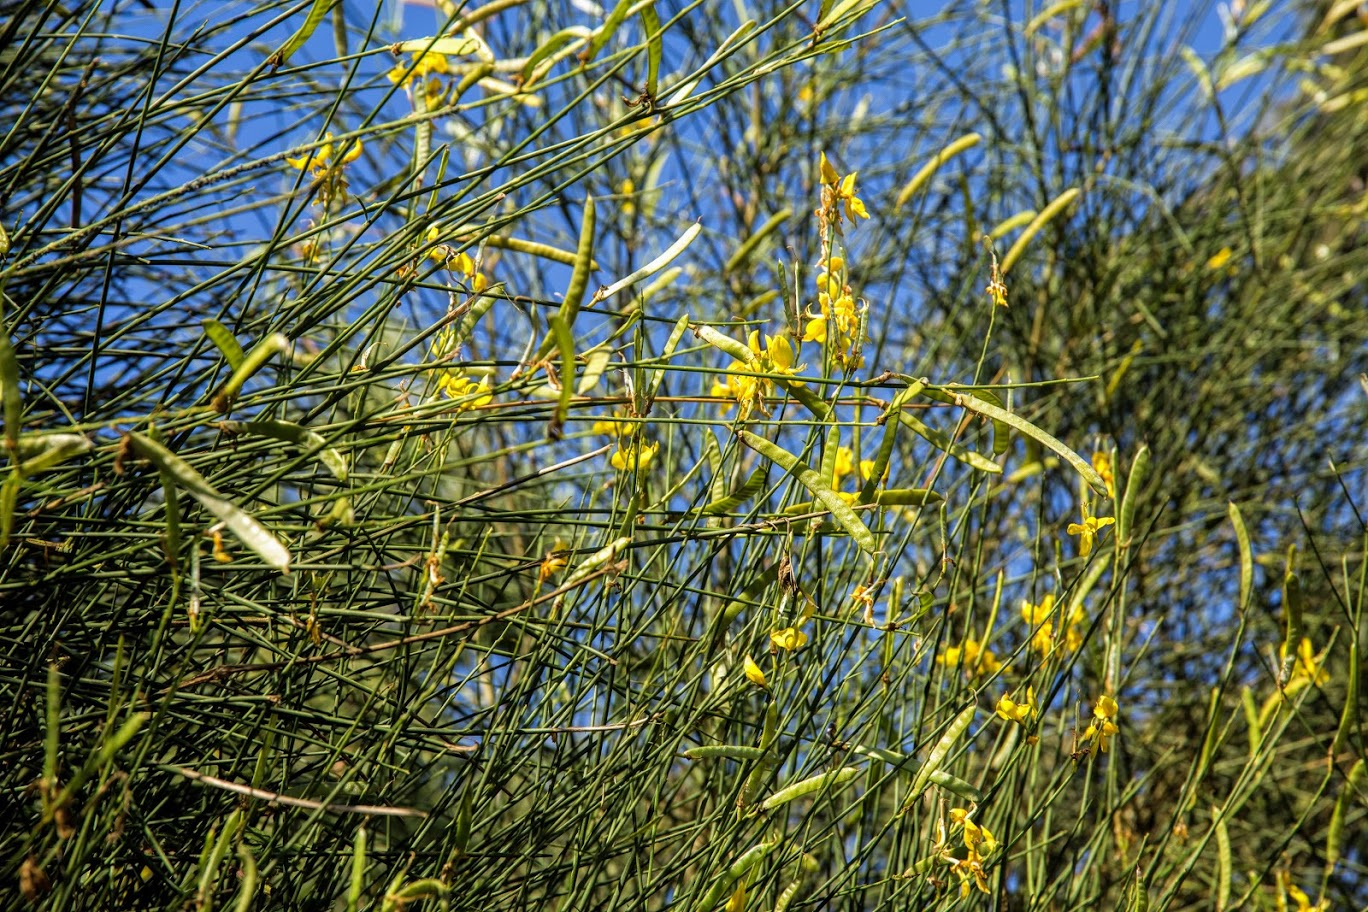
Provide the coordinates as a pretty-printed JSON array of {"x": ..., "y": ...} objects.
[
  {"x": 1087, "y": 531},
  {"x": 470, "y": 394},
  {"x": 777, "y": 357},
  {"x": 867, "y": 470},
  {"x": 753, "y": 672},
  {"x": 978, "y": 843},
  {"x": 426, "y": 70},
  {"x": 1103, "y": 725},
  {"x": 972, "y": 656},
  {"x": 742, "y": 382},
  {"x": 1010, "y": 710},
  {"x": 840, "y": 192},
  {"x": 320, "y": 161},
  {"x": 790, "y": 638},
  {"x": 458, "y": 263},
  {"x": 997, "y": 288},
  {"x": 425, "y": 63},
  {"x": 1103, "y": 464},
  {"x": 554, "y": 562},
  {"x": 612, "y": 427},
  {"x": 1038, "y": 617},
  {"x": 977, "y": 838},
  {"x": 630, "y": 455},
  {"x": 737, "y": 901},
  {"x": 1219, "y": 258},
  {"x": 845, "y": 465}
]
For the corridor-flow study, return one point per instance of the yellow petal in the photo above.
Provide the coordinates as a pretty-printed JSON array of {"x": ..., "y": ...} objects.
[
  {"x": 353, "y": 152},
  {"x": 780, "y": 352},
  {"x": 753, "y": 672},
  {"x": 829, "y": 175},
  {"x": 789, "y": 638}
]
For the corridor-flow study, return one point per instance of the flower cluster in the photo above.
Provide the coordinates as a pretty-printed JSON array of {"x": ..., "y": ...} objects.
[
  {"x": 1040, "y": 618},
  {"x": 838, "y": 197},
  {"x": 745, "y": 384},
  {"x": 633, "y": 455},
  {"x": 1009, "y": 710},
  {"x": 468, "y": 394},
  {"x": 458, "y": 263},
  {"x": 836, "y": 323},
  {"x": 425, "y": 69},
  {"x": 1103, "y": 724},
  {"x": 328, "y": 168},
  {"x": 975, "y": 658},
  {"x": 979, "y": 843}
]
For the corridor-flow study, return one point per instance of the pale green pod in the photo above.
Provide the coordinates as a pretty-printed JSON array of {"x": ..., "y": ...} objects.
[
  {"x": 738, "y": 869},
  {"x": 812, "y": 784},
  {"x": 1125, "y": 517},
  {"x": 941, "y": 751}
]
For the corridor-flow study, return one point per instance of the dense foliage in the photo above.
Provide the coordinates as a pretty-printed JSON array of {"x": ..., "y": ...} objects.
[{"x": 532, "y": 455}]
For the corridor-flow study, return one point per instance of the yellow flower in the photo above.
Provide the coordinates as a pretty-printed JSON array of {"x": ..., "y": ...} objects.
[
  {"x": 1103, "y": 464},
  {"x": 975, "y": 659},
  {"x": 1219, "y": 258},
  {"x": 1087, "y": 531},
  {"x": 816, "y": 329},
  {"x": 470, "y": 394},
  {"x": 753, "y": 672},
  {"x": 554, "y": 562},
  {"x": 461, "y": 264},
  {"x": 777, "y": 357},
  {"x": 612, "y": 427},
  {"x": 1038, "y": 618},
  {"x": 790, "y": 638},
  {"x": 1038, "y": 614},
  {"x": 997, "y": 288},
  {"x": 978, "y": 842},
  {"x": 742, "y": 383},
  {"x": 977, "y": 838},
  {"x": 864, "y": 595},
  {"x": 631, "y": 455},
  {"x": 845, "y": 465},
  {"x": 1103, "y": 725},
  {"x": 867, "y": 470},
  {"x": 1010, "y": 710},
  {"x": 425, "y": 63},
  {"x": 320, "y": 161},
  {"x": 840, "y": 191}
]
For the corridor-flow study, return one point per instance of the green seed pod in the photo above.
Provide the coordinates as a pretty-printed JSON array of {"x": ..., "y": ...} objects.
[
  {"x": 723, "y": 885},
  {"x": 941, "y": 751},
  {"x": 1134, "y": 482},
  {"x": 956, "y": 786},
  {"x": 808, "y": 786},
  {"x": 1334, "y": 842},
  {"x": 358, "y": 870}
]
